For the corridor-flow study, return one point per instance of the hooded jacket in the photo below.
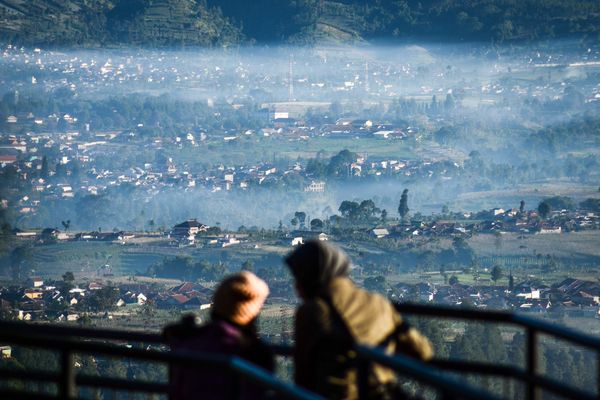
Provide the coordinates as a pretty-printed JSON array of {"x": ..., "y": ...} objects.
[{"x": 336, "y": 315}]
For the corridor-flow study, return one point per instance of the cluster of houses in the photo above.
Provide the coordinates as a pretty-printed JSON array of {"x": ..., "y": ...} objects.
[
  {"x": 495, "y": 221},
  {"x": 76, "y": 172},
  {"x": 55, "y": 301},
  {"x": 573, "y": 297}
]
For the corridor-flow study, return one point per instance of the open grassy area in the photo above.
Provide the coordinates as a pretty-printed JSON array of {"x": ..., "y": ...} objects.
[
  {"x": 573, "y": 245},
  {"x": 255, "y": 149}
]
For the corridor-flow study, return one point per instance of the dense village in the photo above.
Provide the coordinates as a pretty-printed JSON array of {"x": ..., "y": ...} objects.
[
  {"x": 59, "y": 166},
  {"x": 62, "y": 301},
  {"x": 47, "y": 299}
]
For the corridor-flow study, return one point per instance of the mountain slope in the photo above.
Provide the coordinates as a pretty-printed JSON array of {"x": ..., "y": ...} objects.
[
  {"x": 129, "y": 22},
  {"x": 223, "y": 22}
]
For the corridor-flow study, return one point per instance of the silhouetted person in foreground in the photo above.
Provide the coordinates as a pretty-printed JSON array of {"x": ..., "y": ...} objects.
[
  {"x": 231, "y": 331},
  {"x": 333, "y": 317}
]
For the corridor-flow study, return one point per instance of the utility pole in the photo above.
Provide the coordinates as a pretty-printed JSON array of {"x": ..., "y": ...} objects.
[
  {"x": 291, "y": 80},
  {"x": 367, "y": 77}
]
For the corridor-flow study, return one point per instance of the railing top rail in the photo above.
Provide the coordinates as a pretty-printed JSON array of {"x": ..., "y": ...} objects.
[
  {"x": 501, "y": 317},
  {"x": 235, "y": 364}
]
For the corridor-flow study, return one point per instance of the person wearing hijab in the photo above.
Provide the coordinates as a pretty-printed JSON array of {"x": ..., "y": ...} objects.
[
  {"x": 231, "y": 331},
  {"x": 334, "y": 316}
]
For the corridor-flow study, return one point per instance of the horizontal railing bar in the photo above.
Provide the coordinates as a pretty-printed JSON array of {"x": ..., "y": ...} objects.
[
  {"x": 561, "y": 332},
  {"x": 508, "y": 371},
  {"x": 28, "y": 375},
  {"x": 281, "y": 349},
  {"x": 454, "y": 312},
  {"x": 500, "y": 317},
  {"x": 21, "y": 395},
  {"x": 122, "y": 384},
  {"x": 93, "y": 333},
  {"x": 194, "y": 361},
  {"x": 424, "y": 373}
]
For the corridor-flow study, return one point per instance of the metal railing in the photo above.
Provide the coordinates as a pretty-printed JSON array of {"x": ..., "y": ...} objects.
[
  {"x": 70, "y": 340},
  {"x": 534, "y": 327},
  {"x": 67, "y": 341}
]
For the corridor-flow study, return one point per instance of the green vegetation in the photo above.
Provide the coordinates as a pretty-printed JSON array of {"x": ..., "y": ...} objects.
[
  {"x": 93, "y": 23},
  {"x": 225, "y": 22}
]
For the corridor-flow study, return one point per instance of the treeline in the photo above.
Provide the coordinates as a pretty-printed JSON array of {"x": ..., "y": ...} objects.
[
  {"x": 154, "y": 115},
  {"x": 184, "y": 23},
  {"x": 156, "y": 23},
  {"x": 187, "y": 269},
  {"x": 307, "y": 21}
]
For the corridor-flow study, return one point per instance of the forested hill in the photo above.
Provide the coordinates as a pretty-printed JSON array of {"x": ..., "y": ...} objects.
[
  {"x": 115, "y": 22},
  {"x": 224, "y": 22}
]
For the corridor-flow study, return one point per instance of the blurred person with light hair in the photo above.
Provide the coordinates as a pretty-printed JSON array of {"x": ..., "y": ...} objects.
[{"x": 232, "y": 331}]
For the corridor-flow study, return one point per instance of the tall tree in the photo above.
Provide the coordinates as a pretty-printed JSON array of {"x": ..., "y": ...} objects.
[
  {"x": 44, "y": 172},
  {"x": 544, "y": 209},
  {"x": 301, "y": 217},
  {"x": 403, "y": 206},
  {"x": 522, "y": 206},
  {"x": 66, "y": 224},
  {"x": 496, "y": 273}
]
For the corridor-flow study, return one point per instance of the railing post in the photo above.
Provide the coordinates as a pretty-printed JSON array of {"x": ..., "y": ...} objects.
[
  {"x": 533, "y": 392},
  {"x": 363, "y": 369},
  {"x": 67, "y": 375}
]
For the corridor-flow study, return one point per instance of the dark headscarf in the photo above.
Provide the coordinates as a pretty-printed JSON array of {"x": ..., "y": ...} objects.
[{"x": 315, "y": 264}]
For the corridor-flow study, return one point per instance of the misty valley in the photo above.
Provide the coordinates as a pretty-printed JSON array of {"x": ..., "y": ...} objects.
[{"x": 132, "y": 181}]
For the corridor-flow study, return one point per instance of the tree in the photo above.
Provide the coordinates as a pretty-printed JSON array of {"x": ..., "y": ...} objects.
[
  {"x": 384, "y": 215},
  {"x": 66, "y": 224},
  {"x": 18, "y": 257},
  {"x": 348, "y": 208},
  {"x": 61, "y": 170},
  {"x": 453, "y": 280},
  {"x": 68, "y": 277},
  {"x": 339, "y": 165},
  {"x": 445, "y": 210},
  {"x": 316, "y": 224},
  {"x": 522, "y": 206},
  {"x": 294, "y": 222},
  {"x": 301, "y": 217},
  {"x": 105, "y": 299},
  {"x": 496, "y": 273},
  {"x": 367, "y": 209},
  {"x": 45, "y": 172},
  {"x": 403, "y": 206},
  {"x": 544, "y": 209}
]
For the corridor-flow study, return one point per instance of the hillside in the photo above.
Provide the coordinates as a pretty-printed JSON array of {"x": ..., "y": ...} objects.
[
  {"x": 103, "y": 22},
  {"x": 223, "y": 22}
]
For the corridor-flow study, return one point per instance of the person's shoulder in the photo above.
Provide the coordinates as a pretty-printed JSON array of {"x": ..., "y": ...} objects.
[
  {"x": 181, "y": 332},
  {"x": 313, "y": 312}
]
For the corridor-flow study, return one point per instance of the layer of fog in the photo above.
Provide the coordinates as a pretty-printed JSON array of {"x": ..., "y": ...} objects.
[{"x": 353, "y": 76}]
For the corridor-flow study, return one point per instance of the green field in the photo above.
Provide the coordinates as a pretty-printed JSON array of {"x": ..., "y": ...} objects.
[{"x": 254, "y": 149}]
